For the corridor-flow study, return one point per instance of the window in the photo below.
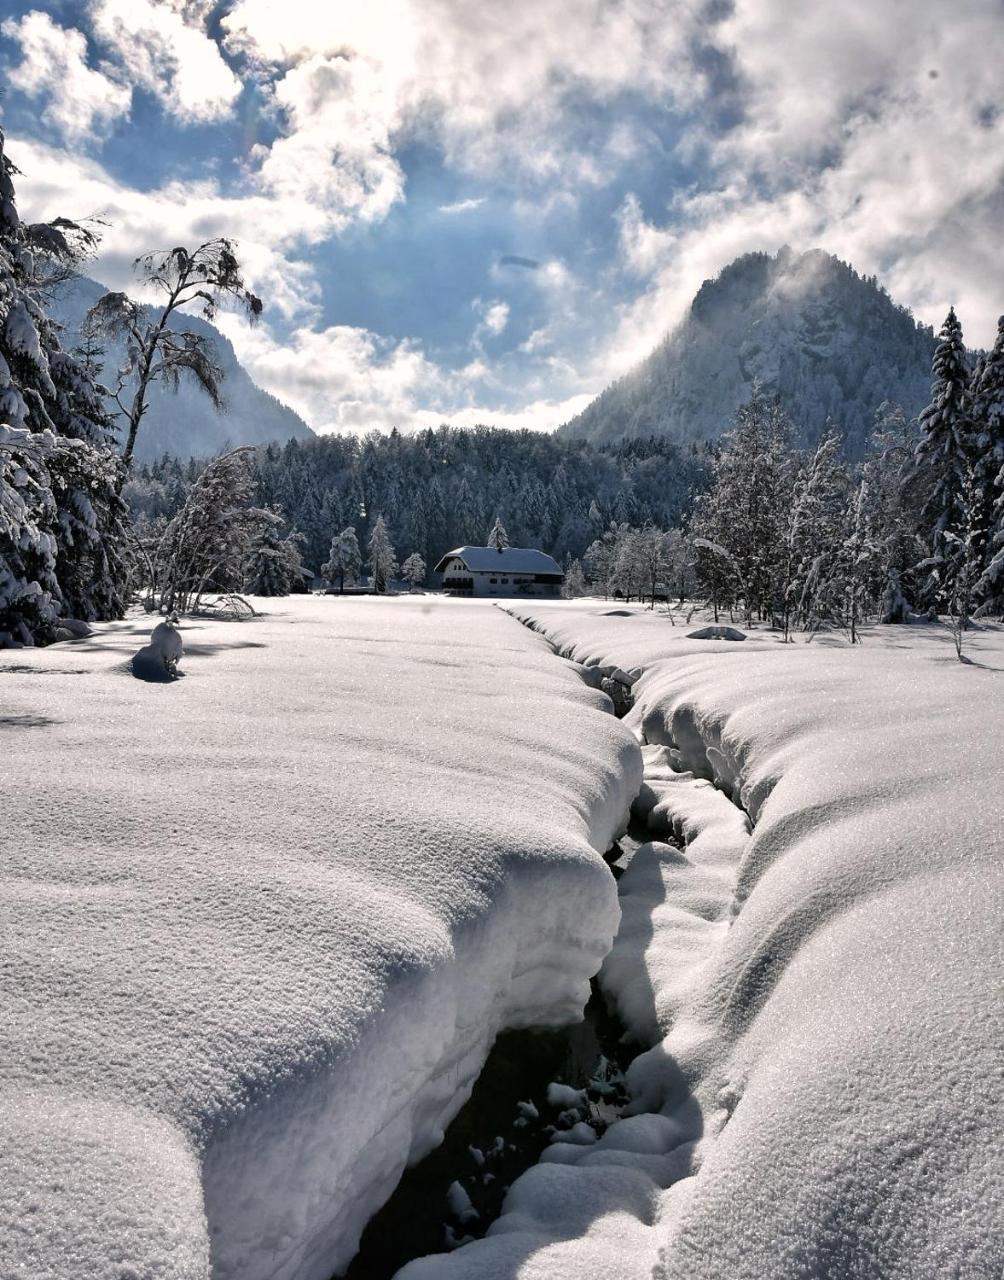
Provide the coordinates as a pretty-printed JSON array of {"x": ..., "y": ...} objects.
[
  {"x": 505, "y": 579},
  {"x": 493, "y": 581}
]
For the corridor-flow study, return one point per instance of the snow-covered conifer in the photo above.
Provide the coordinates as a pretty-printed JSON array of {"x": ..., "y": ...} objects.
[
  {"x": 498, "y": 539},
  {"x": 945, "y": 448},
  {"x": 67, "y": 558},
  {"x": 744, "y": 511},
  {"x": 988, "y": 418},
  {"x": 268, "y": 566},
  {"x": 964, "y": 566},
  {"x": 344, "y": 559},
  {"x": 813, "y": 531},
  {"x": 382, "y": 559}
]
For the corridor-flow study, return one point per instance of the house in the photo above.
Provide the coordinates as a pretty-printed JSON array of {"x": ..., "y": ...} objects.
[{"x": 511, "y": 571}]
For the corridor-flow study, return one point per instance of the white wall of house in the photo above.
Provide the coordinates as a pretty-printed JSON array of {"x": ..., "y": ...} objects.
[{"x": 485, "y": 583}]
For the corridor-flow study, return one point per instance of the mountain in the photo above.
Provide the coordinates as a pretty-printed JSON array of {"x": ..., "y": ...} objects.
[
  {"x": 831, "y": 343},
  {"x": 184, "y": 423}
]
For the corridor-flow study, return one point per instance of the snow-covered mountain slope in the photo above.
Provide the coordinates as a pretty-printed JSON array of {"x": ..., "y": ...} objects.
[
  {"x": 816, "y": 963},
  {"x": 259, "y": 926},
  {"x": 184, "y": 423},
  {"x": 830, "y": 342}
]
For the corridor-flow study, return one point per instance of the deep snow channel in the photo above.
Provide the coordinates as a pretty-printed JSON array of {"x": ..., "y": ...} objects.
[
  {"x": 515, "y": 1111},
  {"x": 261, "y": 926},
  {"x": 819, "y": 972}
]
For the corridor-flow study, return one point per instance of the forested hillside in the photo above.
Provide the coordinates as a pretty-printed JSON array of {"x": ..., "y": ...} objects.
[
  {"x": 440, "y": 489},
  {"x": 832, "y": 344},
  {"x": 183, "y": 421}
]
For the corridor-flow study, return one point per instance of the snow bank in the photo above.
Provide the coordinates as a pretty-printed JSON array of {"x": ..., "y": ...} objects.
[
  {"x": 816, "y": 963},
  {"x": 260, "y": 925}
]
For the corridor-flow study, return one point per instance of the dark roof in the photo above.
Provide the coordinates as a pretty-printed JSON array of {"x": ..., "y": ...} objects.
[{"x": 509, "y": 560}]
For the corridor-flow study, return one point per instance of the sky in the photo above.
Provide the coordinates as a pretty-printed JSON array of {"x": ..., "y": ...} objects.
[{"x": 466, "y": 212}]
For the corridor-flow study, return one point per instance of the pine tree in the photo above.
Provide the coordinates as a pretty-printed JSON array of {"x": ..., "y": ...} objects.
[
  {"x": 988, "y": 418},
  {"x": 466, "y": 516},
  {"x": 966, "y": 539},
  {"x": 62, "y": 537},
  {"x": 894, "y": 502},
  {"x": 382, "y": 560},
  {"x": 854, "y": 565},
  {"x": 268, "y": 568},
  {"x": 498, "y": 539},
  {"x": 29, "y": 591},
  {"x": 945, "y": 449},
  {"x": 344, "y": 559}
]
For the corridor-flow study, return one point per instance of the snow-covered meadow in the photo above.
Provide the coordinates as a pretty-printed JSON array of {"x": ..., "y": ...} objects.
[
  {"x": 261, "y": 924},
  {"x": 815, "y": 961}
]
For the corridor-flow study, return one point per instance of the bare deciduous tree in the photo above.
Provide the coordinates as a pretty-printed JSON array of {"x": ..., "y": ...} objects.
[{"x": 154, "y": 350}]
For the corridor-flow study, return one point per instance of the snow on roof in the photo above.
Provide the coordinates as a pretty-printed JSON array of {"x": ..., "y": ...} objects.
[{"x": 509, "y": 560}]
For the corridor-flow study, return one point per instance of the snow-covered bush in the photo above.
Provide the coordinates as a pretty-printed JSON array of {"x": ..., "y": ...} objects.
[
  {"x": 413, "y": 570},
  {"x": 207, "y": 544}
]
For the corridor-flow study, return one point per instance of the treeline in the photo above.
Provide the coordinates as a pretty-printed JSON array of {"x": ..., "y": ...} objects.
[{"x": 443, "y": 488}]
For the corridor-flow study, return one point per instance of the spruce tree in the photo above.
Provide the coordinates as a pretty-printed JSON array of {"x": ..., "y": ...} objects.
[
  {"x": 344, "y": 559},
  {"x": 498, "y": 539},
  {"x": 740, "y": 522},
  {"x": 382, "y": 560},
  {"x": 944, "y": 451},
  {"x": 988, "y": 418},
  {"x": 268, "y": 569},
  {"x": 61, "y": 541}
]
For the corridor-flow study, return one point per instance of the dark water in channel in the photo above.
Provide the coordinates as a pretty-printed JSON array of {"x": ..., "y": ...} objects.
[{"x": 417, "y": 1218}]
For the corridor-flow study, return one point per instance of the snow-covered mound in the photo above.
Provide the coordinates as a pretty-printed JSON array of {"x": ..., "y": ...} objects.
[
  {"x": 816, "y": 962},
  {"x": 261, "y": 925}
]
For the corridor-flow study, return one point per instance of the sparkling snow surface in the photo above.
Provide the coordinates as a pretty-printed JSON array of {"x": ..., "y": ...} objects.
[
  {"x": 259, "y": 926},
  {"x": 818, "y": 971}
]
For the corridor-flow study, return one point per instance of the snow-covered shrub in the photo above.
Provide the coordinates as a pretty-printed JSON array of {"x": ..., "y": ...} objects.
[{"x": 207, "y": 544}]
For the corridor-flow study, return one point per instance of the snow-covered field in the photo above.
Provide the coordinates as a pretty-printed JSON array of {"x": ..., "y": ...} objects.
[
  {"x": 816, "y": 965},
  {"x": 259, "y": 926}
]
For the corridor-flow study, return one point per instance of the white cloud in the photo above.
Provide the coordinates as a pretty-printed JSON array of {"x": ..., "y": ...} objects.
[
  {"x": 538, "y": 415},
  {"x": 159, "y": 47},
  {"x": 158, "y": 50},
  {"x": 498, "y": 96},
  {"x": 822, "y": 128},
  {"x": 270, "y": 235},
  {"x": 80, "y": 100},
  {"x": 496, "y": 318},
  {"x": 867, "y": 132},
  {"x": 336, "y": 153},
  {"x": 462, "y": 206},
  {"x": 339, "y": 378}
]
